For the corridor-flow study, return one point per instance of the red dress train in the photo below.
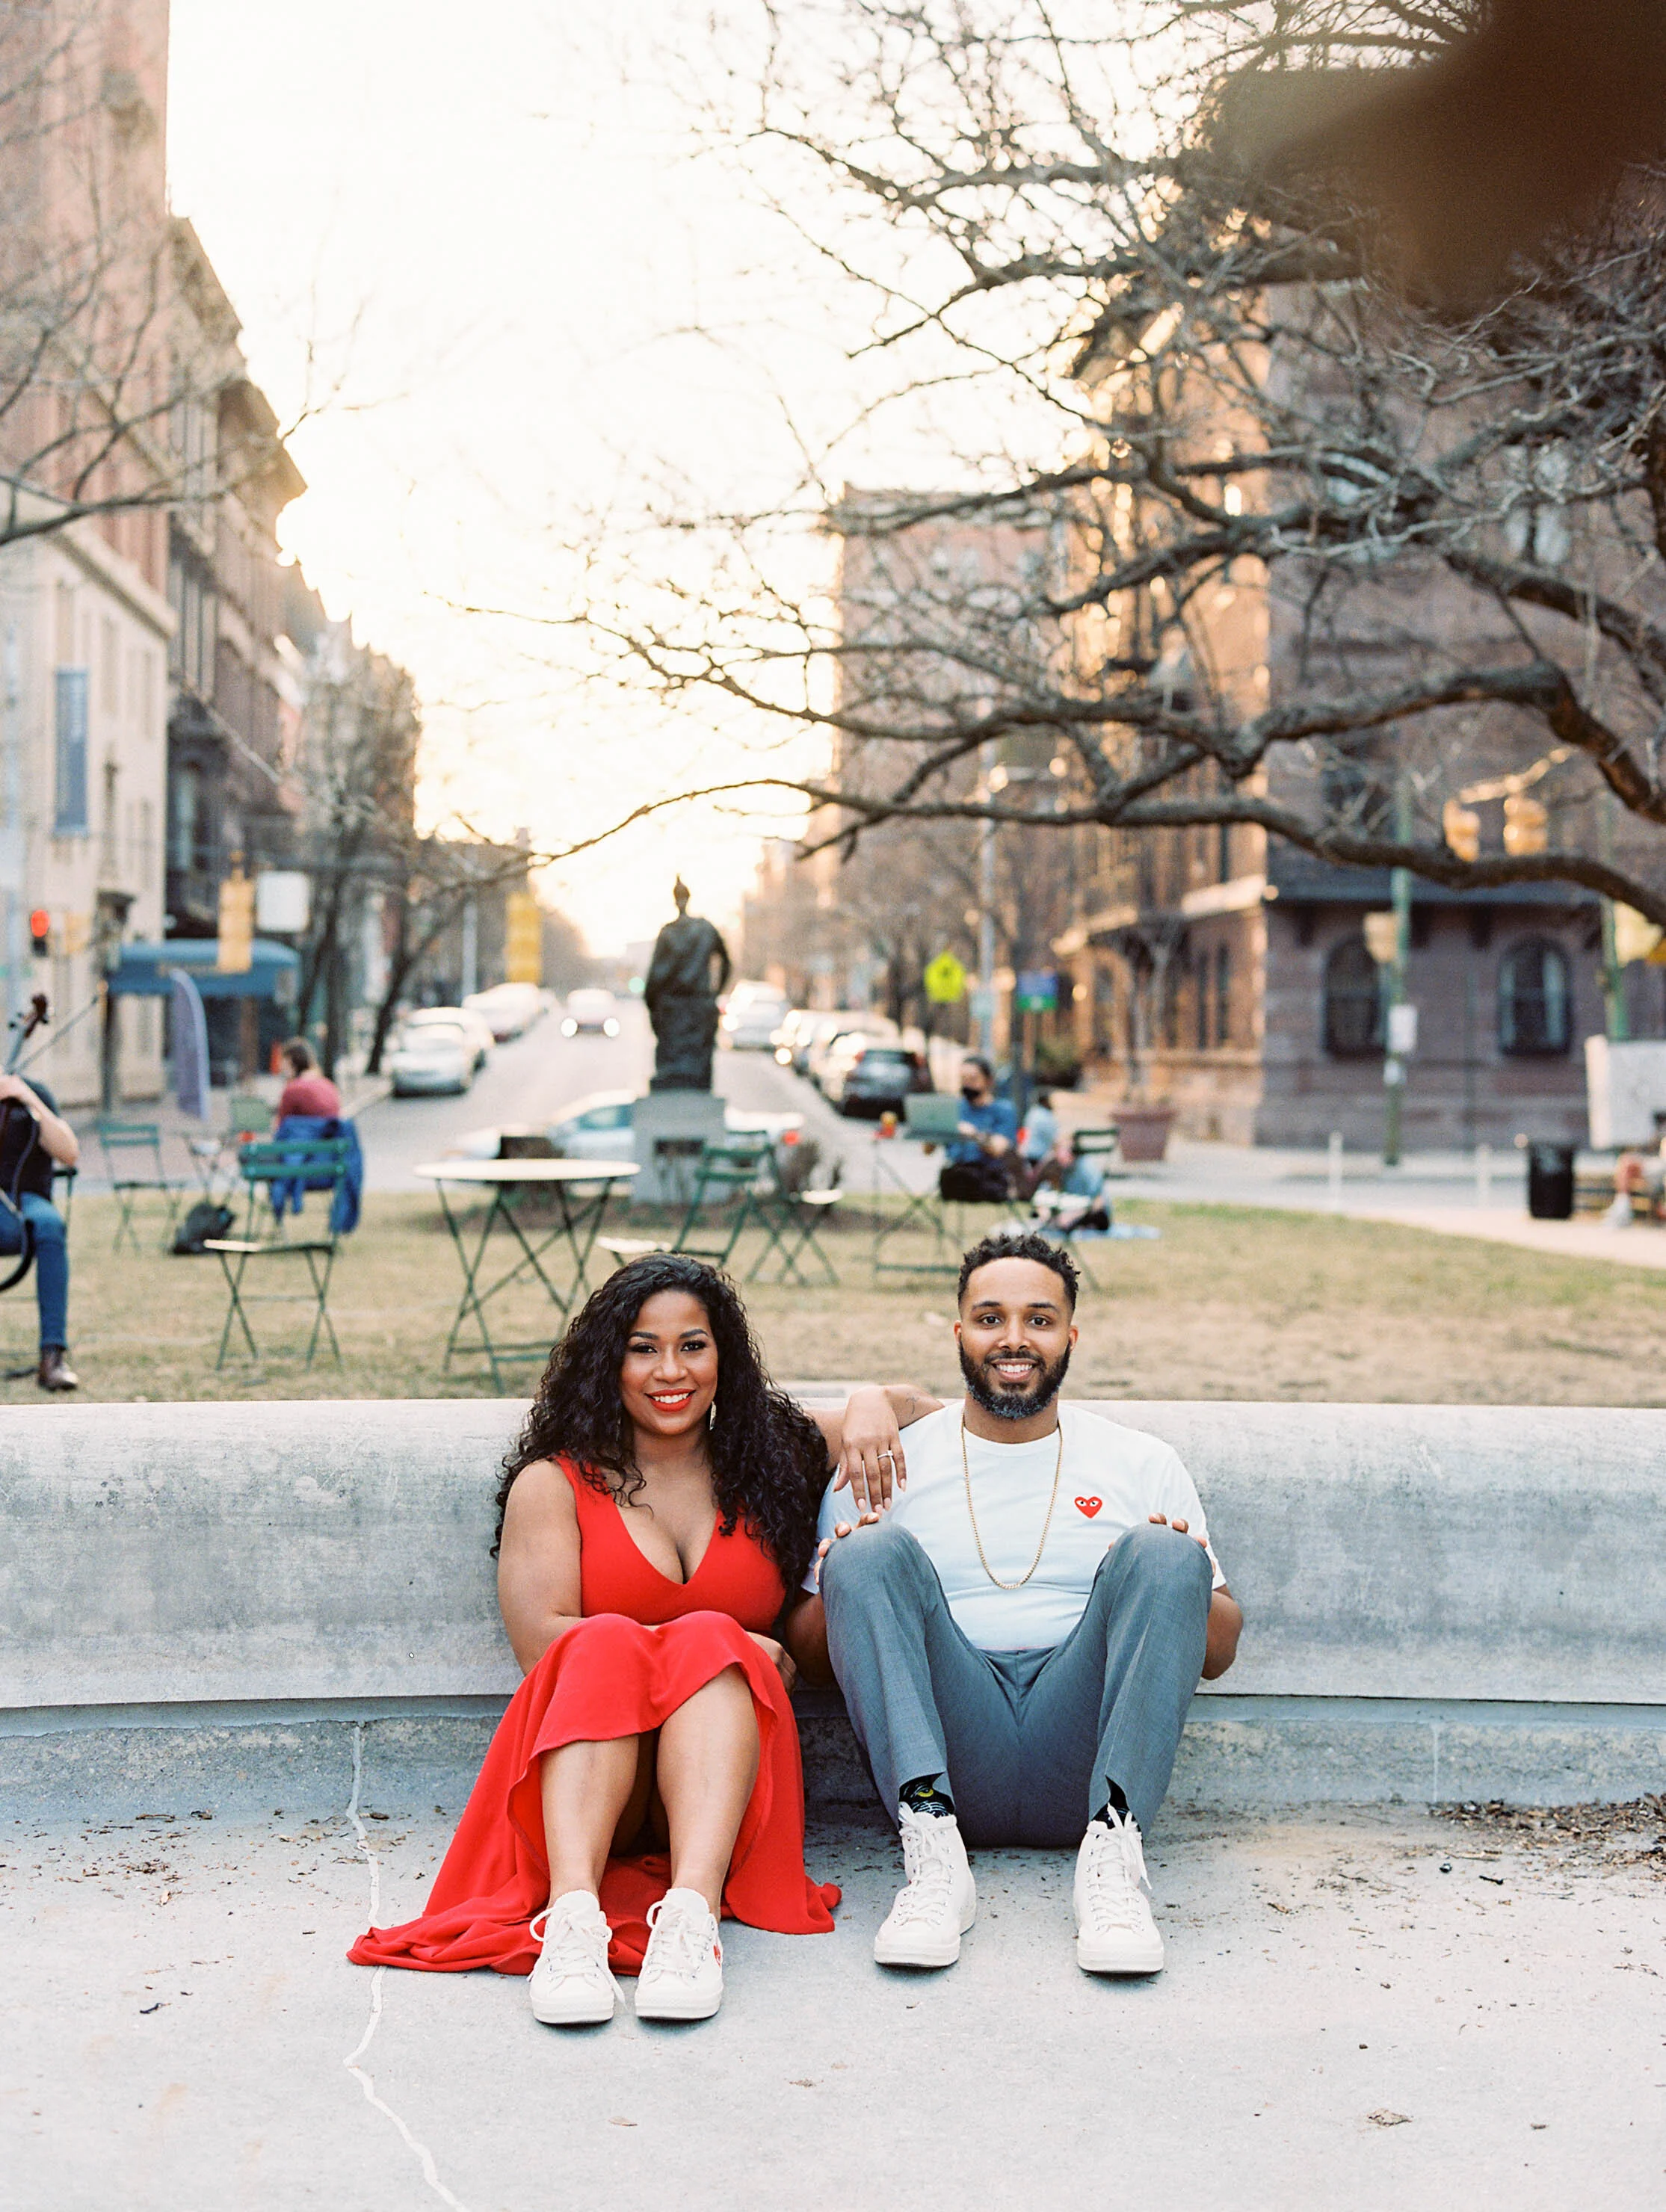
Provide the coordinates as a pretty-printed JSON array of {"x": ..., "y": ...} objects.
[{"x": 644, "y": 1646}]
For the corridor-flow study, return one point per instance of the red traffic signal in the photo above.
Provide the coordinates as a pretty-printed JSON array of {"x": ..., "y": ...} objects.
[{"x": 40, "y": 931}]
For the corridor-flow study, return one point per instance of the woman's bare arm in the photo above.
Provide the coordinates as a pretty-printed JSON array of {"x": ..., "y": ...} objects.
[
  {"x": 804, "y": 1632},
  {"x": 864, "y": 1437},
  {"x": 538, "y": 1563}
]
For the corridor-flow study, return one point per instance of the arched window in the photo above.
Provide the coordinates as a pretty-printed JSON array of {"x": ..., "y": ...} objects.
[
  {"x": 1354, "y": 1002},
  {"x": 1536, "y": 1013}
]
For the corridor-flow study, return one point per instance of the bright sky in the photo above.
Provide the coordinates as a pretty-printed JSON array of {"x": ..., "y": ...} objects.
[{"x": 489, "y": 243}]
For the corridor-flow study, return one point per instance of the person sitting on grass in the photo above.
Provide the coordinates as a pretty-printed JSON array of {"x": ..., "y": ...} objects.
[
  {"x": 1018, "y": 1636},
  {"x": 980, "y": 1155},
  {"x": 34, "y": 1139},
  {"x": 655, "y": 1520}
]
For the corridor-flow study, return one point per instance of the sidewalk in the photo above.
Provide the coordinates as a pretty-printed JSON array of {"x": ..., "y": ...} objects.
[
  {"x": 1334, "y": 2028},
  {"x": 1437, "y": 1191}
]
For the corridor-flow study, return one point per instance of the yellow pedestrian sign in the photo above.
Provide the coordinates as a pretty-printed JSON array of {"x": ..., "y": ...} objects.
[
  {"x": 946, "y": 979},
  {"x": 523, "y": 947}
]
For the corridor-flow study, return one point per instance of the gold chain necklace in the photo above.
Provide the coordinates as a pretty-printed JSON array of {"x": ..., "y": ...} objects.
[{"x": 966, "y": 1469}]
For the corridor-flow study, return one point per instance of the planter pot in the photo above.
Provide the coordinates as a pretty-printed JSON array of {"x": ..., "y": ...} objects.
[{"x": 1144, "y": 1132}]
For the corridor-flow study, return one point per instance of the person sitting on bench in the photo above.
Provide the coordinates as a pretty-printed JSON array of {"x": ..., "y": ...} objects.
[
  {"x": 32, "y": 1138},
  {"x": 1018, "y": 1635},
  {"x": 980, "y": 1158}
]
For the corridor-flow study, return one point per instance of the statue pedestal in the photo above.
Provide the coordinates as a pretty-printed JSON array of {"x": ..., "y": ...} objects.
[{"x": 668, "y": 1128}]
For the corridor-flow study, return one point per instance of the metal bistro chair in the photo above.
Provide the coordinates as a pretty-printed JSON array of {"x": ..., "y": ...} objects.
[
  {"x": 1090, "y": 1144},
  {"x": 23, "y": 1261},
  {"x": 246, "y": 1116},
  {"x": 800, "y": 1213},
  {"x": 312, "y": 1164},
  {"x": 735, "y": 1173},
  {"x": 125, "y": 1145}
]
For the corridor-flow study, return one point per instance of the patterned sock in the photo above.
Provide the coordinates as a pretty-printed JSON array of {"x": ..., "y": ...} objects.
[{"x": 923, "y": 1795}]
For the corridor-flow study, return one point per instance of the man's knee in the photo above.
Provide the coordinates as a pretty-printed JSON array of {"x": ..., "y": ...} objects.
[
  {"x": 882, "y": 1555},
  {"x": 47, "y": 1224},
  {"x": 1160, "y": 1554}
]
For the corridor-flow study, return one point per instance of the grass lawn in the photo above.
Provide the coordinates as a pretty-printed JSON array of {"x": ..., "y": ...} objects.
[{"x": 1231, "y": 1303}]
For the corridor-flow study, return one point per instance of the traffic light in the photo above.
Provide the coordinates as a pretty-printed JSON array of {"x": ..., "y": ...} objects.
[
  {"x": 40, "y": 933},
  {"x": 1526, "y": 824},
  {"x": 1460, "y": 827}
]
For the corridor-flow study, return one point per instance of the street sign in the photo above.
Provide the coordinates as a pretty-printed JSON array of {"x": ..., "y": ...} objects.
[
  {"x": 236, "y": 955},
  {"x": 1403, "y": 1030},
  {"x": 1635, "y": 937},
  {"x": 523, "y": 940},
  {"x": 1038, "y": 990},
  {"x": 946, "y": 979}
]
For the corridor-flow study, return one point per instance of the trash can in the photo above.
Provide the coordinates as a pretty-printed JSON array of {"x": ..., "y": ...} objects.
[{"x": 1550, "y": 1182}]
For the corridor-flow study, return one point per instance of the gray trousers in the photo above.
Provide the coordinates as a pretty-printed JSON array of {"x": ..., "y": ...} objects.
[{"x": 1027, "y": 1743}]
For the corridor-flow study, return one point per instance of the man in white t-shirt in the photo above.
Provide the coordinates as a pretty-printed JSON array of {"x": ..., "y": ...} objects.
[{"x": 1020, "y": 1634}]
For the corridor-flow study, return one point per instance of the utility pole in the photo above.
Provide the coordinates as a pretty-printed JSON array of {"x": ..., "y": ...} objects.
[
  {"x": 986, "y": 911},
  {"x": 1615, "y": 1022}
]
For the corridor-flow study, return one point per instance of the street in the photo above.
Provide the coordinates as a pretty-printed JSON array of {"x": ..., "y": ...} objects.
[{"x": 532, "y": 1078}]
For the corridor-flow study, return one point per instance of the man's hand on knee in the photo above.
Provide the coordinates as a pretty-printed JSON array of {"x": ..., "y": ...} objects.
[
  {"x": 1181, "y": 1527},
  {"x": 868, "y": 1520}
]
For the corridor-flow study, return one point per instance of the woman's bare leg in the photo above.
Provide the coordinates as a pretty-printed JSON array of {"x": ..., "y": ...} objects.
[
  {"x": 587, "y": 1789},
  {"x": 707, "y": 1764}
]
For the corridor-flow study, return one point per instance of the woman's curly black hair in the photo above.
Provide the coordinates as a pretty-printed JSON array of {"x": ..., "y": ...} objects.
[{"x": 769, "y": 1460}]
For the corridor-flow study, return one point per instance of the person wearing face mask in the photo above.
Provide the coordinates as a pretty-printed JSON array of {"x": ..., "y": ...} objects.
[{"x": 981, "y": 1153}]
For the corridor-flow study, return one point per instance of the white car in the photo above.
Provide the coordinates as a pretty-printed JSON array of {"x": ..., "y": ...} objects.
[
  {"x": 596, "y": 1011},
  {"x": 507, "y": 1008},
  {"x": 432, "y": 1056},
  {"x": 473, "y": 1026},
  {"x": 751, "y": 1015},
  {"x": 598, "y": 1127}
]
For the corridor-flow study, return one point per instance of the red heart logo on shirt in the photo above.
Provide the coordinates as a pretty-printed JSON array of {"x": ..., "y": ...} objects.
[{"x": 1089, "y": 1505}]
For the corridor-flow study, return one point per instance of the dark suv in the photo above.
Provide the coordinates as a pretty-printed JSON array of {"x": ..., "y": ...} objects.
[{"x": 881, "y": 1077}]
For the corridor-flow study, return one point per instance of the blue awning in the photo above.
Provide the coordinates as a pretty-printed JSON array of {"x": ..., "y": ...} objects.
[{"x": 145, "y": 969}]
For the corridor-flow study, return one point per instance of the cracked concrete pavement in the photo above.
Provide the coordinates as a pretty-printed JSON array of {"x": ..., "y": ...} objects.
[{"x": 1361, "y": 2008}]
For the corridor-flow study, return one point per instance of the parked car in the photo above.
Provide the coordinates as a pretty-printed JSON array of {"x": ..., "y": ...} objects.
[
  {"x": 473, "y": 1026},
  {"x": 591, "y": 1014},
  {"x": 598, "y": 1127},
  {"x": 799, "y": 1021},
  {"x": 751, "y": 1015},
  {"x": 876, "y": 1076},
  {"x": 850, "y": 1023},
  {"x": 507, "y": 1009},
  {"x": 430, "y": 1055}
]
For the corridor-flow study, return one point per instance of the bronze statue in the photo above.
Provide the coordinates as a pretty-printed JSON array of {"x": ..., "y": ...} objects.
[{"x": 690, "y": 967}]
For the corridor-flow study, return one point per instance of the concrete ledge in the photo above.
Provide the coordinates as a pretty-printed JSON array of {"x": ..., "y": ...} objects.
[
  {"x": 1238, "y": 1755},
  {"x": 1442, "y": 1602}
]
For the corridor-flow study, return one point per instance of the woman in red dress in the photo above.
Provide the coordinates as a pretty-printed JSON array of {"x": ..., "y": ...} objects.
[{"x": 656, "y": 1519}]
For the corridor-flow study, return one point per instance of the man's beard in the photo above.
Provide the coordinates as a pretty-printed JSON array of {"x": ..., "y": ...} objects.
[{"x": 1014, "y": 1405}]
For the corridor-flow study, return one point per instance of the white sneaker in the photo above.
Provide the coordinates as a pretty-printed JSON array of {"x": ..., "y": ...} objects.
[
  {"x": 940, "y": 1902},
  {"x": 1115, "y": 1931},
  {"x": 682, "y": 1976},
  {"x": 571, "y": 1986}
]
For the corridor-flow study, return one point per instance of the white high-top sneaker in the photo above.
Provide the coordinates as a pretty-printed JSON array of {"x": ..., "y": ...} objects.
[
  {"x": 571, "y": 1986},
  {"x": 939, "y": 1901},
  {"x": 1115, "y": 1931},
  {"x": 682, "y": 1976}
]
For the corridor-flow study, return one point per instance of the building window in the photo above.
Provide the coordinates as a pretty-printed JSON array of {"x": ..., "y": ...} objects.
[
  {"x": 186, "y": 825},
  {"x": 1222, "y": 994},
  {"x": 1354, "y": 1002},
  {"x": 1535, "y": 1013},
  {"x": 69, "y": 776}
]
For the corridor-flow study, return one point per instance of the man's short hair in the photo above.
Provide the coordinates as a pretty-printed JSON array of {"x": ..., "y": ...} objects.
[
  {"x": 1023, "y": 1244},
  {"x": 976, "y": 1059}
]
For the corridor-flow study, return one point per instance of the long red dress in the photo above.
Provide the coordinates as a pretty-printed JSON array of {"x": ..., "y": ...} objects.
[{"x": 644, "y": 1646}]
